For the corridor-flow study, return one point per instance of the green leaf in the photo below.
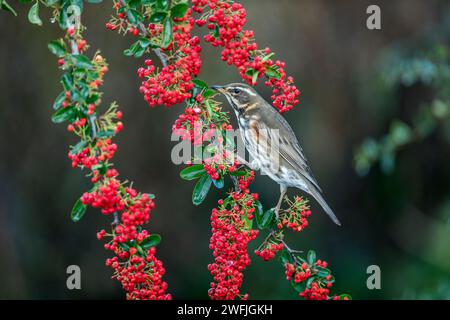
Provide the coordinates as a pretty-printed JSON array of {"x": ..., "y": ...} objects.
[
  {"x": 239, "y": 173},
  {"x": 269, "y": 56},
  {"x": 216, "y": 32},
  {"x": 345, "y": 295},
  {"x": 208, "y": 93},
  {"x": 93, "y": 98},
  {"x": 144, "y": 42},
  {"x": 299, "y": 287},
  {"x": 81, "y": 61},
  {"x": 134, "y": 16},
  {"x": 33, "y": 14},
  {"x": 140, "y": 251},
  {"x": 124, "y": 246},
  {"x": 67, "y": 81},
  {"x": 264, "y": 220},
  {"x": 192, "y": 172},
  {"x": 201, "y": 189},
  {"x": 5, "y": 6},
  {"x": 162, "y": 4},
  {"x": 167, "y": 33},
  {"x": 151, "y": 241},
  {"x": 248, "y": 223},
  {"x": 255, "y": 77},
  {"x": 78, "y": 147},
  {"x": 259, "y": 214},
  {"x": 57, "y": 48},
  {"x": 272, "y": 73},
  {"x": 309, "y": 282},
  {"x": 134, "y": 3},
  {"x": 158, "y": 17},
  {"x": 132, "y": 49},
  {"x": 138, "y": 48},
  {"x": 59, "y": 100},
  {"x": 249, "y": 72},
  {"x": 311, "y": 257},
  {"x": 140, "y": 52},
  {"x": 48, "y": 3},
  {"x": 286, "y": 257},
  {"x": 64, "y": 114},
  {"x": 323, "y": 272},
  {"x": 101, "y": 168},
  {"x": 179, "y": 10},
  {"x": 105, "y": 134},
  {"x": 78, "y": 211},
  {"x": 219, "y": 183},
  {"x": 200, "y": 84}
]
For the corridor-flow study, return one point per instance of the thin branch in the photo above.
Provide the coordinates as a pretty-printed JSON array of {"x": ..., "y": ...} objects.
[{"x": 157, "y": 51}]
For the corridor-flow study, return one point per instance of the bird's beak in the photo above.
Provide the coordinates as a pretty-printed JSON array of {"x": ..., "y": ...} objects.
[{"x": 220, "y": 89}]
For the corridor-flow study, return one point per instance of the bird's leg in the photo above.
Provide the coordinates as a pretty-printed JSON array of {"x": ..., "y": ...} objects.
[
  {"x": 116, "y": 220},
  {"x": 283, "y": 190}
]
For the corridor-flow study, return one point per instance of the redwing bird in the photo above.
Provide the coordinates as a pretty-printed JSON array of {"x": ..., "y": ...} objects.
[{"x": 272, "y": 144}]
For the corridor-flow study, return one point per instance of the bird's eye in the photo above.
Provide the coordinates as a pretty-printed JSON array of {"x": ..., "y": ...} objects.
[{"x": 236, "y": 91}]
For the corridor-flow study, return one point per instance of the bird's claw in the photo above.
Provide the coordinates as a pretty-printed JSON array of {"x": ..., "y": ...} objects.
[
  {"x": 277, "y": 211},
  {"x": 254, "y": 165},
  {"x": 116, "y": 220}
]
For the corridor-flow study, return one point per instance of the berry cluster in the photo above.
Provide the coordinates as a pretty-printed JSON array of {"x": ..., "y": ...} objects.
[
  {"x": 270, "y": 251},
  {"x": 172, "y": 83},
  {"x": 231, "y": 233},
  {"x": 106, "y": 197},
  {"x": 135, "y": 263},
  {"x": 313, "y": 280},
  {"x": 141, "y": 276},
  {"x": 227, "y": 20},
  {"x": 295, "y": 217}
]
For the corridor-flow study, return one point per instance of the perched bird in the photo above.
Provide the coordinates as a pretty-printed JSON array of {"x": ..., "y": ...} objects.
[{"x": 272, "y": 144}]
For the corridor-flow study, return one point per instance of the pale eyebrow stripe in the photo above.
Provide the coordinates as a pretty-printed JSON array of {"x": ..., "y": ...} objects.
[{"x": 247, "y": 90}]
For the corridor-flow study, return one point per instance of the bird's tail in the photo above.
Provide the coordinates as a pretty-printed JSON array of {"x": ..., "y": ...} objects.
[{"x": 318, "y": 196}]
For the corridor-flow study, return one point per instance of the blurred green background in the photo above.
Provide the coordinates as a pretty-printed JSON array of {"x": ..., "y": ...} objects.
[{"x": 355, "y": 83}]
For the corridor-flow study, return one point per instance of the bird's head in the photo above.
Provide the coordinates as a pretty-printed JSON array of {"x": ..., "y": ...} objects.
[{"x": 241, "y": 96}]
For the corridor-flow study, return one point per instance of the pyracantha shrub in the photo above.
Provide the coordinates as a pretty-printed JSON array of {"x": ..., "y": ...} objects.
[
  {"x": 167, "y": 30},
  {"x": 134, "y": 262}
]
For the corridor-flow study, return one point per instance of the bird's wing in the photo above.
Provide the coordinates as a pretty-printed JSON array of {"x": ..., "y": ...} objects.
[{"x": 289, "y": 149}]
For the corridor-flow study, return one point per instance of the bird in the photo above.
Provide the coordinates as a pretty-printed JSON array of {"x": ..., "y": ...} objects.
[{"x": 272, "y": 144}]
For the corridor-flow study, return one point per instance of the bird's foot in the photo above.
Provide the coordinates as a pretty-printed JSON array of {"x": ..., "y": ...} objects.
[
  {"x": 277, "y": 212},
  {"x": 254, "y": 165},
  {"x": 116, "y": 220}
]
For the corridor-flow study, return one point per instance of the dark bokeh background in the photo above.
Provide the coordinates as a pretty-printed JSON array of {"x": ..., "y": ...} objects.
[{"x": 335, "y": 60}]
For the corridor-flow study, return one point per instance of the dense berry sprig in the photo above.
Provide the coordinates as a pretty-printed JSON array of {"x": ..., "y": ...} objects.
[
  {"x": 135, "y": 263},
  {"x": 231, "y": 233},
  {"x": 226, "y": 20},
  {"x": 172, "y": 83},
  {"x": 311, "y": 278},
  {"x": 295, "y": 216}
]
